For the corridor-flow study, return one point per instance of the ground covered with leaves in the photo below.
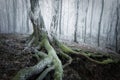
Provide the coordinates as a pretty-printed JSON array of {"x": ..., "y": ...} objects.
[{"x": 13, "y": 58}]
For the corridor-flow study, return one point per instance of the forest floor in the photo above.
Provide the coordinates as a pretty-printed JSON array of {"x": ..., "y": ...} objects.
[{"x": 12, "y": 59}]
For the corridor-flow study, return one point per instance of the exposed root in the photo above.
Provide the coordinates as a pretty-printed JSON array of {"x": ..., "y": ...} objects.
[
  {"x": 47, "y": 59},
  {"x": 68, "y": 50},
  {"x": 31, "y": 42},
  {"x": 24, "y": 74},
  {"x": 51, "y": 60},
  {"x": 45, "y": 72},
  {"x": 56, "y": 61},
  {"x": 41, "y": 54},
  {"x": 67, "y": 57}
]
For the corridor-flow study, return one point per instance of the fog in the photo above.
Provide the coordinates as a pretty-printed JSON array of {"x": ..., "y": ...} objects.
[{"x": 93, "y": 22}]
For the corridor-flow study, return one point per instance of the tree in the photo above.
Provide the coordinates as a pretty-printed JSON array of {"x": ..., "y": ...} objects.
[{"x": 48, "y": 58}]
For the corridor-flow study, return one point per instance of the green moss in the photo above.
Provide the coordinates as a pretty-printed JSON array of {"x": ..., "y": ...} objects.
[
  {"x": 56, "y": 61},
  {"x": 107, "y": 61},
  {"x": 27, "y": 72}
]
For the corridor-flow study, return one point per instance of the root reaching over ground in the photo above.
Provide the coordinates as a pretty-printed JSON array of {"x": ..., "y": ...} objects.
[
  {"x": 45, "y": 51},
  {"x": 24, "y": 74},
  {"x": 51, "y": 61}
]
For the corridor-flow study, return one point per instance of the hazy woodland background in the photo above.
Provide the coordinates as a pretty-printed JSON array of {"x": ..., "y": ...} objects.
[{"x": 93, "y": 22}]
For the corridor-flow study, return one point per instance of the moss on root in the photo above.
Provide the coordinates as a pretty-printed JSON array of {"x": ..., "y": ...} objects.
[
  {"x": 24, "y": 74},
  {"x": 51, "y": 61},
  {"x": 56, "y": 61},
  {"x": 68, "y": 50},
  {"x": 48, "y": 59}
]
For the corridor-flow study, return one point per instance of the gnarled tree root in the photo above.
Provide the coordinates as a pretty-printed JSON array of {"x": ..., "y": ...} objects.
[
  {"x": 45, "y": 72},
  {"x": 50, "y": 61},
  {"x": 68, "y": 50},
  {"x": 24, "y": 74},
  {"x": 40, "y": 40},
  {"x": 47, "y": 59}
]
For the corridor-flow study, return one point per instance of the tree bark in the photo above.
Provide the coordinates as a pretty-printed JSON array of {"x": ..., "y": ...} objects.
[{"x": 50, "y": 60}]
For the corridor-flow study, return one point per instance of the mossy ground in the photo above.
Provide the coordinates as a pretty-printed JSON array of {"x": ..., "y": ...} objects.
[{"x": 12, "y": 59}]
